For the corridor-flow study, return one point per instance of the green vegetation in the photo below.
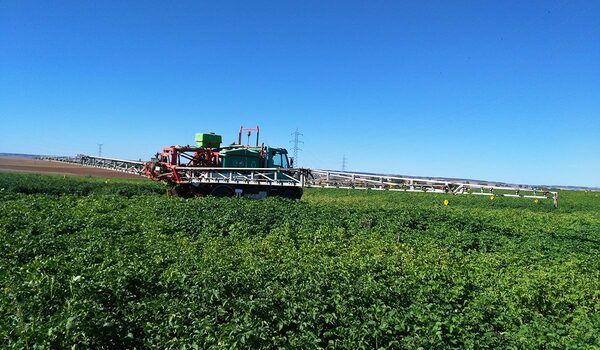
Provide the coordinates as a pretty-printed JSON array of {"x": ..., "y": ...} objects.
[
  {"x": 86, "y": 263},
  {"x": 74, "y": 185}
]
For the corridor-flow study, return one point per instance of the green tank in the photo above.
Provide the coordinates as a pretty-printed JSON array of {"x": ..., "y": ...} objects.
[
  {"x": 240, "y": 158},
  {"x": 210, "y": 140},
  {"x": 250, "y": 157}
]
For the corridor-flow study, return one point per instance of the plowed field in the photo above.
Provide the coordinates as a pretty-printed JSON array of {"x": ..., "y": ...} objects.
[{"x": 29, "y": 165}]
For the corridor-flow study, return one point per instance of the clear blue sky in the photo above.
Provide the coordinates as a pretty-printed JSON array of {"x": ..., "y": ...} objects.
[{"x": 506, "y": 90}]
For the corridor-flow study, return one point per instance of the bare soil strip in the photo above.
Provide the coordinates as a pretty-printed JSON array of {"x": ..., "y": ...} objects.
[{"x": 28, "y": 165}]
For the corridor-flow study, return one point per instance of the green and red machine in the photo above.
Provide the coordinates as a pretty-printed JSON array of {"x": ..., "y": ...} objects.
[
  {"x": 208, "y": 168},
  {"x": 258, "y": 171}
]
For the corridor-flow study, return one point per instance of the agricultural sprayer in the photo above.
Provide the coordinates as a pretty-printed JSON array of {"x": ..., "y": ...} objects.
[{"x": 258, "y": 171}]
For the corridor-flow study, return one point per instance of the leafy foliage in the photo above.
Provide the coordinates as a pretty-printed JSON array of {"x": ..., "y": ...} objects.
[
  {"x": 93, "y": 268},
  {"x": 72, "y": 185}
]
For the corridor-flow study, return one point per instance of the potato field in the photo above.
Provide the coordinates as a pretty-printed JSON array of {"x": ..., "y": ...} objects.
[{"x": 94, "y": 263}]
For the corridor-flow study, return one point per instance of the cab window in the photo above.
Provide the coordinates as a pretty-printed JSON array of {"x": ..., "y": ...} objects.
[
  {"x": 284, "y": 161},
  {"x": 277, "y": 163}
]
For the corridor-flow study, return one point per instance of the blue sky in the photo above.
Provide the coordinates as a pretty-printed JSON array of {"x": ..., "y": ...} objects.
[{"x": 506, "y": 90}]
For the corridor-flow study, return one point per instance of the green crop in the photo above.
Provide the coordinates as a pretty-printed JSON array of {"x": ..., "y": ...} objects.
[
  {"x": 72, "y": 185},
  {"x": 90, "y": 264}
]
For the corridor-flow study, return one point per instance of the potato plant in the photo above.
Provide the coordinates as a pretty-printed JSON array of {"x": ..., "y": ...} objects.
[{"x": 90, "y": 264}]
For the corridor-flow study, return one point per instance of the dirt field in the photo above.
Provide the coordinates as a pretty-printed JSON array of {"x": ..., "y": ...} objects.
[{"x": 28, "y": 165}]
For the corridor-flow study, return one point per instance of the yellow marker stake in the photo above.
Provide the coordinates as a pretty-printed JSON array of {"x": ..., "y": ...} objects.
[{"x": 445, "y": 202}]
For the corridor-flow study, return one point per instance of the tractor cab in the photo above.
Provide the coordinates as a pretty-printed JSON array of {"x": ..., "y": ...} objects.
[{"x": 277, "y": 158}]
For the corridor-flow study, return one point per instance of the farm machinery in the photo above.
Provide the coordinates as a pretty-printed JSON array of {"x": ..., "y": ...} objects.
[
  {"x": 258, "y": 171},
  {"x": 207, "y": 168}
]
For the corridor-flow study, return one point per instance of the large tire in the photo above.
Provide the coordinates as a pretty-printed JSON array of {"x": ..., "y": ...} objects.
[
  {"x": 291, "y": 193},
  {"x": 182, "y": 191},
  {"x": 222, "y": 191}
]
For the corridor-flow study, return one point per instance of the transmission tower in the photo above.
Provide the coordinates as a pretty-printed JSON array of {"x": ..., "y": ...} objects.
[
  {"x": 100, "y": 150},
  {"x": 296, "y": 141},
  {"x": 344, "y": 163}
]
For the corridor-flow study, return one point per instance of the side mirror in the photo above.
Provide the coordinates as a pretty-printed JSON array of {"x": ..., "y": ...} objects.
[{"x": 291, "y": 162}]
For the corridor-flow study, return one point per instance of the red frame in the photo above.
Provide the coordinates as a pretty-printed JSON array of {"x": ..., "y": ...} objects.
[
  {"x": 250, "y": 130},
  {"x": 171, "y": 157}
]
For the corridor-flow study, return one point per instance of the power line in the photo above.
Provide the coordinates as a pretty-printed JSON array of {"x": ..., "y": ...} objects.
[
  {"x": 100, "y": 150},
  {"x": 344, "y": 163},
  {"x": 296, "y": 141}
]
